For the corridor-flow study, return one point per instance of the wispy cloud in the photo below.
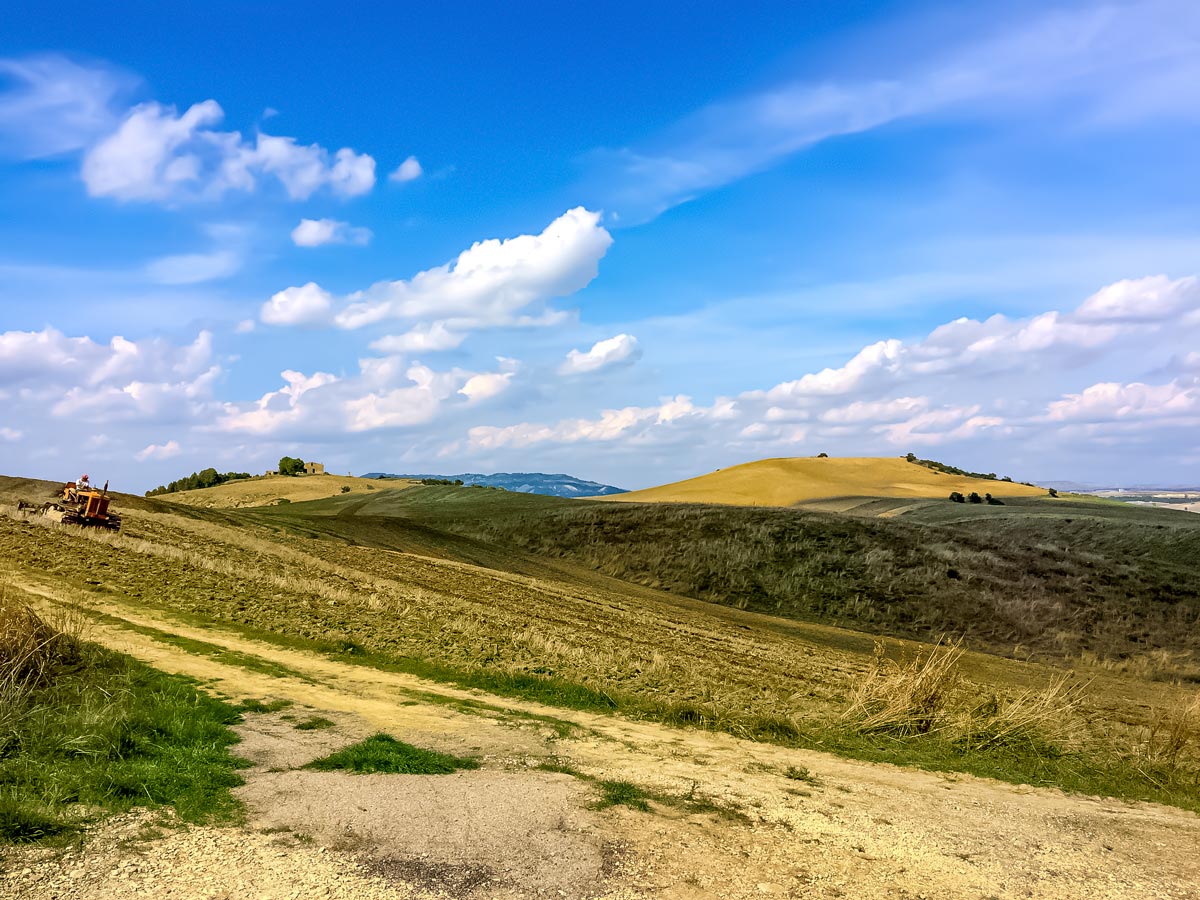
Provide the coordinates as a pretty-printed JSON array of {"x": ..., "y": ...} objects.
[
  {"x": 50, "y": 104},
  {"x": 1108, "y": 64},
  {"x": 159, "y": 451},
  {"x": 194, "y": 268}
]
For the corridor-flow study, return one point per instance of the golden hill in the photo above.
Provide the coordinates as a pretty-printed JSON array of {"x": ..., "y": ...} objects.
[
  {"x": 788, "y": 481},
  {"x": 268, "y": 490}
]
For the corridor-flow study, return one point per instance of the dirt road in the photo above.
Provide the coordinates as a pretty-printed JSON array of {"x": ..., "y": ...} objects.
[{"x": 737, "y": 819}]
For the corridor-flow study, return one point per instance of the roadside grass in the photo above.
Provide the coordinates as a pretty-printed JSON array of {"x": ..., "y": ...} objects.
[
  {"x": 84, "y": 732},
  {"x": 801, "y": 773},
  {"x": 384, "y": 754},
  {"x": 1132, "y": 764}
]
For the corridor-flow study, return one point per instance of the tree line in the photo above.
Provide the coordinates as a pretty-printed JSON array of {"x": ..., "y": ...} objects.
[{"x": 204, "y": 478}]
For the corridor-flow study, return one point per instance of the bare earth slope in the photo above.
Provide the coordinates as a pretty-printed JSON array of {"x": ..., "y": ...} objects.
[{"x": 788, "y": 481}]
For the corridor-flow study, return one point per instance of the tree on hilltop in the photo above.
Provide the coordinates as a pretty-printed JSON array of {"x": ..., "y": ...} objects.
[{"x": 291, "y": 465}]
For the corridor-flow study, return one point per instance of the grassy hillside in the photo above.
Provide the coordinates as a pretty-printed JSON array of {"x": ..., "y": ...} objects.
[
  {"x": 786, "y": 482},
  {"x": 310, "y": 576},
  {"x": 1058, "y": 578},
  {"x": 269, "y": 490}
]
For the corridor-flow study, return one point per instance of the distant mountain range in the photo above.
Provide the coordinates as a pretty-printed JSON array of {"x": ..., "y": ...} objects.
[
  {"x": 1082, "y": 488},
  {"x": 525, "y": 483}
]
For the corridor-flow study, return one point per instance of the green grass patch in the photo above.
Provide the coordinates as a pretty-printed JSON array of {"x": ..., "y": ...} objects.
[
  {"x": 383, "y": 753},
  {"x": 622, "y": 793},
  {"x": 251, "y": 704},
  {"x": 109, "y": 734},
  {"x": 315, "y": 723}
]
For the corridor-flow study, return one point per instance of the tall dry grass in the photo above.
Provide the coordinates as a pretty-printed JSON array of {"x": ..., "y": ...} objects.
[
  {"x": 1172, "y": 739},
  {"x": 1038, "y": 719},
  {"x": 905, "y": 699},
  {"x": 929, "y": 695},
  {"x": 32, "y": 652}
]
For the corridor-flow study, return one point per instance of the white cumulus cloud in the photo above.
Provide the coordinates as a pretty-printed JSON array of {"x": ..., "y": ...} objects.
[
  {"x": 158, "y": 154},
  {"x": 604, "y": 354},
  {"x": 432, "y": 337},
  {"x": 409, "y": 170},
  {"x": 494, "y": 283},
  {"x": 983, "y": 381},
  {"x": 316, "y": 232},
  {"x": 309, "y": 304}
]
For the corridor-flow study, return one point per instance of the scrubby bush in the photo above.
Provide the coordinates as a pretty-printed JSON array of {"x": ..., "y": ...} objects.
[
  {"x": 957, "y": 497},
  {"x": 974, "y": 497}
]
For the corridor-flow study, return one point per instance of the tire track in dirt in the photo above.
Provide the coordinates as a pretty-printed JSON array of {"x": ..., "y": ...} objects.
[{"x": 845, "y": 828}]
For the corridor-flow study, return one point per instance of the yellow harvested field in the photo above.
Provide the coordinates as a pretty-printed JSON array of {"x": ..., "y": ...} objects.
[
  {"x": 788, "y": 481},
  {"x": 268, "y": 490}
]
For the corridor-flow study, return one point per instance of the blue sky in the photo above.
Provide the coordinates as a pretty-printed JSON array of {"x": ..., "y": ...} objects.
[{"x": 632, "y": 244}]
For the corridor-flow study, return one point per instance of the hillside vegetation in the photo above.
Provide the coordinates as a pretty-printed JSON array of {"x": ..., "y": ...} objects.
[
  {"x": 786, "y": 482},
  {"x": 1058, "y": 578}
]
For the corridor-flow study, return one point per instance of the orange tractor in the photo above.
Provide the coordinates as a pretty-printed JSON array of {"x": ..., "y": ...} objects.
[{"x": 78, "y": 503}]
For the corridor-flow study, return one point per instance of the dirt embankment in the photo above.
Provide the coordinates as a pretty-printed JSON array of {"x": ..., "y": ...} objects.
[{"x": 733, "y": 819}]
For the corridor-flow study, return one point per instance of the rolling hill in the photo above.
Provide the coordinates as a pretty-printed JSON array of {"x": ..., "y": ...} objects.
[
  {"x": 269, "y": 490},
  {"x": 792, "y": 481}
]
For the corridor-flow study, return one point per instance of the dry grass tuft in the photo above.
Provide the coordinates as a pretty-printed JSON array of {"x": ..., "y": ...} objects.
[
  {"x": 32, "y": 651},
  {"x": 1173, "y": 735},
  {"x": 1033, "y": 719},
  {"x": 928, "y": 694},
  {"x": 906, "y": 699}
]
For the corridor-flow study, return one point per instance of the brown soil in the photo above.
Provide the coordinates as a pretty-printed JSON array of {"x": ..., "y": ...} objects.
[{"x": 739, "y": 827}]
